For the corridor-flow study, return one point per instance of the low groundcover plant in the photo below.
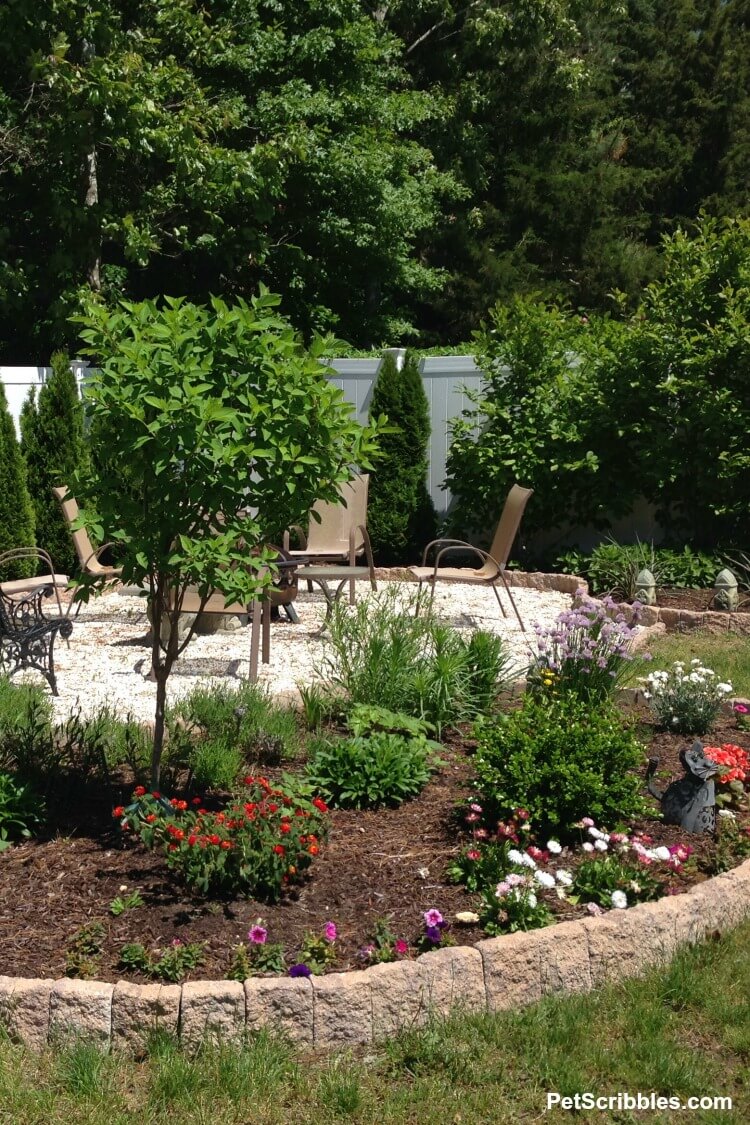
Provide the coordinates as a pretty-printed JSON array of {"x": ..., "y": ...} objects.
[{"x": 256, "y": 846}]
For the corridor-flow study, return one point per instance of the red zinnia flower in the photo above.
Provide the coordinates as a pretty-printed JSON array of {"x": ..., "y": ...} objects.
[
  {"x": 139, "y": 791},
  {"x": 321, "y": 806},
  {"x": 215, "y": 840},
  {"x": 284, "y": 827},
  {"x": 150, "y": 818},
  {"x": 192, "y": 840},
  {"x": 279, "y": 849},
  {"x": 313, "y": 849},
  {"x": 118, "y": 812}
]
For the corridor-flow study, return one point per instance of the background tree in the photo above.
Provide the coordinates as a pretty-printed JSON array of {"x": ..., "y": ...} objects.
[
  {"x": 401, "y": 516},
  {"x": 16, "y": 509},
  {"x": 53, "y": 447},
  {"x": 205, "y": 416},
  {"x": 178, "y": 147}
]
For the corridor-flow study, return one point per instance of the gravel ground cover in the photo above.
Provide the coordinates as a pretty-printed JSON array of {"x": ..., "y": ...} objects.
[{"x": 108, "y": 659}]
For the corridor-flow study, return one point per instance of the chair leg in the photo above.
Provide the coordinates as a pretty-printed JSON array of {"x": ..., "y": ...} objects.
[
  {"x": 512, "y": 600},
  {"x": 499, "y": 602},
  {"x": 352, "y": 584}
]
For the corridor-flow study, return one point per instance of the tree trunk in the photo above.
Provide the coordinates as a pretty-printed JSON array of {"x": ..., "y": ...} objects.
[
  {"x": 156, "y": 750},
  {"x": 91, "y": 200}
]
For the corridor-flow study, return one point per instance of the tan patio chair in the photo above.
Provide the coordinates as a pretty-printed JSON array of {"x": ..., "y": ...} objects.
[
  {"x": 282, "y": 593},
  {"x": 495, "y": 560},
  {"x": 88, "y": 555},
  {"x": 339, "y": 534}
]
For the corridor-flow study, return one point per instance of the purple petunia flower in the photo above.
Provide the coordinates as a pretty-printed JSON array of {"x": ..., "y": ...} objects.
[
  {"x": 300, "y": 970},
  {"x": 432, "y": 933}
]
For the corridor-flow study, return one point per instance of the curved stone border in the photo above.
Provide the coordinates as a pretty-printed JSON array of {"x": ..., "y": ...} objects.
[
  {"x": 343, "y": 1009},
  {"x": 683, "y": 620}
]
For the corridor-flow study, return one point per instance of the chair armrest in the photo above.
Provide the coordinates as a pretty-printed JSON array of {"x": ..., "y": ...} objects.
[
  {"x": 95, "y": 554},
  {"x": 466, "y": 547},
  {"x": 444, "y": 543}
]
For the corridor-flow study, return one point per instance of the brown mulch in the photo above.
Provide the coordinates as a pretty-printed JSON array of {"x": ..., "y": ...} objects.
[{"x": 385, "y": 864}]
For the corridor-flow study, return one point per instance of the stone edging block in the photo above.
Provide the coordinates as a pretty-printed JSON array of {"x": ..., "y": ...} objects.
[{"x": 343, "y": 1009}]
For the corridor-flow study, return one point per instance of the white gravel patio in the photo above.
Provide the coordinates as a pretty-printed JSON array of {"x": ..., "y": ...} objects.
[{"x": 108, "y": 660}]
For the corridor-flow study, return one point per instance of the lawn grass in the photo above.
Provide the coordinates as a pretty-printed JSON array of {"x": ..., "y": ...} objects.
[
  {"x": 684, "y": 1030},
  {"x": 728, "y": 654}
]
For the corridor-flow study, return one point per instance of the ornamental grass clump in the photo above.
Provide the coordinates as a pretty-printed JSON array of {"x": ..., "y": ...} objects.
[
  {"x": 255, "y": 847},
  {"x": 586, "y": 651},
  {"x": 686, "y": 700}
]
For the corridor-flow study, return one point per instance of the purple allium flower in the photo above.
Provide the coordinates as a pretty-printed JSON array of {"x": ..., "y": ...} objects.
[
  {"x": 329, "y": 931},
  {"x": 257, "y": 934},
  {"x": 432, "y": 917},
  {"x": 300, "y": 970}
]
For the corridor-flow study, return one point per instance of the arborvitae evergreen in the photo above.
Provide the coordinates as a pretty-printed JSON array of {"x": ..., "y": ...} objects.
[
  {"x": 401, "y": 517},
  {"x": 53, "y": 446},
  {"x": 16, "y": 509}
]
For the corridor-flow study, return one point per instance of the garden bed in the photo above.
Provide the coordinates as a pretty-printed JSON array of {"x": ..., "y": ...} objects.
[{"x": 387, "y": 864}]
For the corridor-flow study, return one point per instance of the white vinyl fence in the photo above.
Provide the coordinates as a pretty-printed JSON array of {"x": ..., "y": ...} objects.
[{"x": 444, "y": 377}]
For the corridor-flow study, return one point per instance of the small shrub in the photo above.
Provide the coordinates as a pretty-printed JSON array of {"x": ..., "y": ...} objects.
[
  {"x": 365, "y": 772},
  {"x": 215, "y": 764},
  {"x": 84, "y": 951},
  {"x": 560, "y": 760},
  {"x": 257, "y": 845},
  {"x": 225, "y": 722},
  {"x": 21, "y": 811},
  {"x": 686, "y": 702},
  {"x": 585, "y": 653},
  {"x": 171, "y": 965}
]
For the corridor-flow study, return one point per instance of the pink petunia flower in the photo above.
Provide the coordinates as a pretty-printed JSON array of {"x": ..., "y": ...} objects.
[
  {"x": 432, "y": 917},
  {"x": 329, "y": 931}
]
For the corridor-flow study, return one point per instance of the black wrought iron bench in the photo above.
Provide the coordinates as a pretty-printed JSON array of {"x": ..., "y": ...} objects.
[{"x": 27, "y": 633}]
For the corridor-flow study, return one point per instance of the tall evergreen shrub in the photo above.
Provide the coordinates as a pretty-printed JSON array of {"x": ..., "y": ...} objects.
[
  {"x": 53, "y": 446},
  {"x": 401, "y": 517},
  {"x": 16, "y": 509}
]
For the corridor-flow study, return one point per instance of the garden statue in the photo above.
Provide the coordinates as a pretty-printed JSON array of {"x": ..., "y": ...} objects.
[{"x": 691, "y": 801}]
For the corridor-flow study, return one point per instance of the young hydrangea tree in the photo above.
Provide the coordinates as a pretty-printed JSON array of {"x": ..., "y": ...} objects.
[{"x": 216, "y": 430}]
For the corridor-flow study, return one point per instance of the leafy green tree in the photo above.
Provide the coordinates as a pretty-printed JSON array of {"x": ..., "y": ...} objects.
[
  {"x": 174, "y": 147},
  {"x": 53, "y": 447},
  {"x": 684, "y": 362},
  {"x": 16, "y": 509},
  {"x": 218, "y": 431},
  {"x": 401, "y": 517}
]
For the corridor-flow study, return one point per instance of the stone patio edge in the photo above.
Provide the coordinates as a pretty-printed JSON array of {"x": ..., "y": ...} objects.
[{"x": 344, "y": 1009}]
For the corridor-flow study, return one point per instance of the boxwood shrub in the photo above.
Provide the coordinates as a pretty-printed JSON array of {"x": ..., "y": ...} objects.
[{"x": 561, "y": 760}]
